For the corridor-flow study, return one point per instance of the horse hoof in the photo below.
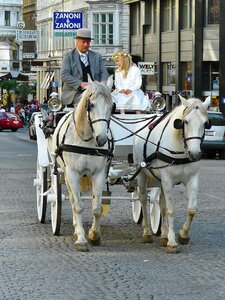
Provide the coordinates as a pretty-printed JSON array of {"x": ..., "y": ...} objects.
[
  {"x": 183, "y": 241},
  {"x": 82, "y": 247},
  {"x": 172, "y": 249},
  {"x": 163, "y": 242},
  {"x": 95, "y": 242},
  {"x": 147, "y": 238}
]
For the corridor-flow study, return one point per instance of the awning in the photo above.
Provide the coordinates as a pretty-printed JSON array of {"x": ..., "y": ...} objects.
[
  {"x": 3, "y": 74},
  {"x": 47, "y": 80},
  {"x": 13, "y": 75}
]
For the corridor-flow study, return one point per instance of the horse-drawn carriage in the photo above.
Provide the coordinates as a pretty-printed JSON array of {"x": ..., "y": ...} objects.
[{"x": 90, "y": 142}]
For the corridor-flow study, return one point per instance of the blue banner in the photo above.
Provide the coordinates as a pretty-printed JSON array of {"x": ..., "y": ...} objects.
[{"x": 67, "y": 20}]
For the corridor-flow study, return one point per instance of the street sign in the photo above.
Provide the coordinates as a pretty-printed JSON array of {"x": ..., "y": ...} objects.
[
  {"x": 147, "y": 68},
  {"x": 26, "y": 35},
  {"x": 67, "y": 20},
  {"x": 29, "y": 55}
]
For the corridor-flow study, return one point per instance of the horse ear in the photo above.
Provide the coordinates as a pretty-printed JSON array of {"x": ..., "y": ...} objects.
[
  {"x": 178, "y": 124},
  {"x": 184, "y": 101},
  {"x": 207, "y": 102},
  {"x": 109, "y": 82}
]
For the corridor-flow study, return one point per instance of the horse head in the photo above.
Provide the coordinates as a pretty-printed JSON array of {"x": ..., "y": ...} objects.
[
  {"x": 193, "y": 122},
  {"x": 93, "y": 112}
]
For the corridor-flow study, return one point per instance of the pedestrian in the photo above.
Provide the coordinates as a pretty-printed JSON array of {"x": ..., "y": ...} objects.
[
  {"x": 2, "y": 109},
  {"x": 76, "y": 66},
  {"x": 128, "y": 94},
  {"x": 12, "y": 109}
]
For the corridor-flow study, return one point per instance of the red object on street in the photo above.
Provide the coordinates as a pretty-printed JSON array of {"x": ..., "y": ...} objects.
[{"x": 10, "y": 120}]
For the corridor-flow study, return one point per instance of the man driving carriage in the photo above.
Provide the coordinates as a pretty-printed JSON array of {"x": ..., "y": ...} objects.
[{"x": 76, "y": 66}]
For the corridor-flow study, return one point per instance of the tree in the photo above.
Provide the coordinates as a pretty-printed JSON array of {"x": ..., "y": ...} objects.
[{"x": 13, "y": 87}]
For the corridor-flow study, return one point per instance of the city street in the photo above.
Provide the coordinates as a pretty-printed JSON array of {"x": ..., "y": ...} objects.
[{"x": 37, "y": 265}]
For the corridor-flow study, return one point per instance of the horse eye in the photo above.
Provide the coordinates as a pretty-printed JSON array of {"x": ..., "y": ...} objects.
[{"x": 186, "y": 122}]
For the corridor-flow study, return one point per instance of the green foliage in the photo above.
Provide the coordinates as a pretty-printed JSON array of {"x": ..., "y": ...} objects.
[{"x": 21, "y": 89}]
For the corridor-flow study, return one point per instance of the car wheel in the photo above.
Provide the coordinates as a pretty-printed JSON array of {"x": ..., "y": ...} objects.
[
  {"x": 210, "y": 155},
  {"x": 30, "y": 135},
  {"x": 14, "y": 129},
  {"x": 0, "y": 128},
  {"x": 222, "y": 154}
]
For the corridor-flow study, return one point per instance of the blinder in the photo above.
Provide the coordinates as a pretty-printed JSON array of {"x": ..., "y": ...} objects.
[
  {"x": 208, "y": 124},
  {"x": 178, "y": 124},
  {"x": 113, "y": 108}
]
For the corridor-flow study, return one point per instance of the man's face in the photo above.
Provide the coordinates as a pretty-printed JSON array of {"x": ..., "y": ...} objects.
[{"x": 83, "y": 45}]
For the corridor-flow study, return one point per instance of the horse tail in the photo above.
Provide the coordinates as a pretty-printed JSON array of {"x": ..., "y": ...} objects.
[{"x": 85, "y": 184}]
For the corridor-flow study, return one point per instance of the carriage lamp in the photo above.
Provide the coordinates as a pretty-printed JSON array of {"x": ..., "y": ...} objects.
[
  {"x": 158, "y": 102},
  {"x": 54, "y": 103}
]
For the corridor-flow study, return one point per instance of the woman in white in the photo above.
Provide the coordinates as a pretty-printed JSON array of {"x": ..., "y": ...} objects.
[{"x": 127, "y": 94}]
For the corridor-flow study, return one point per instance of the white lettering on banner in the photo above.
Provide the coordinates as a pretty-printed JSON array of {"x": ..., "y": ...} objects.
[
  {"x": 68, "y": 15},
  {"x": 67, "y": 25}
]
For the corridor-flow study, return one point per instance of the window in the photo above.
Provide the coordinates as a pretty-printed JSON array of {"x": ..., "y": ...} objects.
[
  {"x": 213, "y": 11},
  {"x": 150, "y": 16},
  {"x": 7, "y": 18},
  {"x": 103, "y": 28},
  {"x": 135, "y": 18},
  {"x": 186, "y": 76},
  {"x": 169, "y": 17},
  {"x": 186, "y": 14},
  {"x": 169, "y": 73},
  {"x": 210, "y": 76}
]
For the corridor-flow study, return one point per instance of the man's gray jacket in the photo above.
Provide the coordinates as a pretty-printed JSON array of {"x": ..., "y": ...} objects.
[{"x": 72, "y": 74}]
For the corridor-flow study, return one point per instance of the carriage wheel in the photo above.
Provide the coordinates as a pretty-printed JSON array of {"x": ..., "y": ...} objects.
[
  {"x": 56, "y": 205},
  {"x": 41, "y": 187},
  {"x": 136, "y": 208},
  {"x": 155, "y": 213}
]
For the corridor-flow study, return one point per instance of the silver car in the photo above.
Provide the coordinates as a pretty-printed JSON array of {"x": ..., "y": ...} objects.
[{"x": 214, "y": 141}]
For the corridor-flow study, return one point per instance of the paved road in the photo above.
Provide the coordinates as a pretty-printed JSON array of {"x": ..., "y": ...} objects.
[{"x": 37, "y": 265}]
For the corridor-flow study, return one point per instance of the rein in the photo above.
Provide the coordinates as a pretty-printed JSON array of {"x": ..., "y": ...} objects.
[
  {"x": 170, "y": 161},
  {"x": 82, "y": 150}
]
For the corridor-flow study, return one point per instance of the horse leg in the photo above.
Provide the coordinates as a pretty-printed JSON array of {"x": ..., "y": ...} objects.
[
  {"x": 74, "y": 218},
  {"x": 172, "y": 246},
  {"x": 143, "y": 197},
  {"x": 73, "y": 184},
  {"x": 164, "y": 221},
  {"x": 192, "y": 190},
  {"x": 98, "y": 182}
]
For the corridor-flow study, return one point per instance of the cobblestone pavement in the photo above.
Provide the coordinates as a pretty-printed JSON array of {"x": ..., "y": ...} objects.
[{"x": 37, "y": 265}]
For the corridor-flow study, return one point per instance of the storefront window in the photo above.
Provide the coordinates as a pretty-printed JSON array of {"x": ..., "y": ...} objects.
[{"x": 186, "y": 71}]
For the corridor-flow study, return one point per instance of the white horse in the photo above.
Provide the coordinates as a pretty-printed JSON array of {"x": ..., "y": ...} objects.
[
  {"x": 81, "y": 148},
  {"x": 171, "y": 151}
]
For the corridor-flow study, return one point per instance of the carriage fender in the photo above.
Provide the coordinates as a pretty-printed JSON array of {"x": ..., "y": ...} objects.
[{"x": 42, "y": 143}]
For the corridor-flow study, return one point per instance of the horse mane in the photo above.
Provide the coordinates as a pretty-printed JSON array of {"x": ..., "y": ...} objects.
[
  {"x": 179, "y": 113},
  {"x": 93, "y": 90}
]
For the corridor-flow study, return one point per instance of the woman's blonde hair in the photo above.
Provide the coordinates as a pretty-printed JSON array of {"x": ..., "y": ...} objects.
[{"x": 126, "y": 61}]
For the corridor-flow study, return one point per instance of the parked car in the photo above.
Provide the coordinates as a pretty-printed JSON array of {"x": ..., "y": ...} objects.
[
  {"x": 10, "y": 120},
  {"x": 31, "y": 127},
  {"x": 214, "y": 141}
]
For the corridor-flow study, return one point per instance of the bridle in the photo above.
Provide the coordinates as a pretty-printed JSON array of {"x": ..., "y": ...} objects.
[
  {"x": 185, "y": 139},
  {"x": 89, "y": 107}
]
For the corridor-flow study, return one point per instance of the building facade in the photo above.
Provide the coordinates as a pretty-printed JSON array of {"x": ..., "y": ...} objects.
[
  {"x": 108, "y": 21},
  {"x": 10, "y": 48},
  {"x": 180, "y": 41}
]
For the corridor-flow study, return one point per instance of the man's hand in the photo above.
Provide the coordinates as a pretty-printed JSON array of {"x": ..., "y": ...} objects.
[{"x": 84, "y": 85}]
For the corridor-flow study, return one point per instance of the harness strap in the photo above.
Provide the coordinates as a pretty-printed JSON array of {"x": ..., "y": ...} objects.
[
  {"x": 168, "y": 159},
  {"x": 83, "y": 150}
]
